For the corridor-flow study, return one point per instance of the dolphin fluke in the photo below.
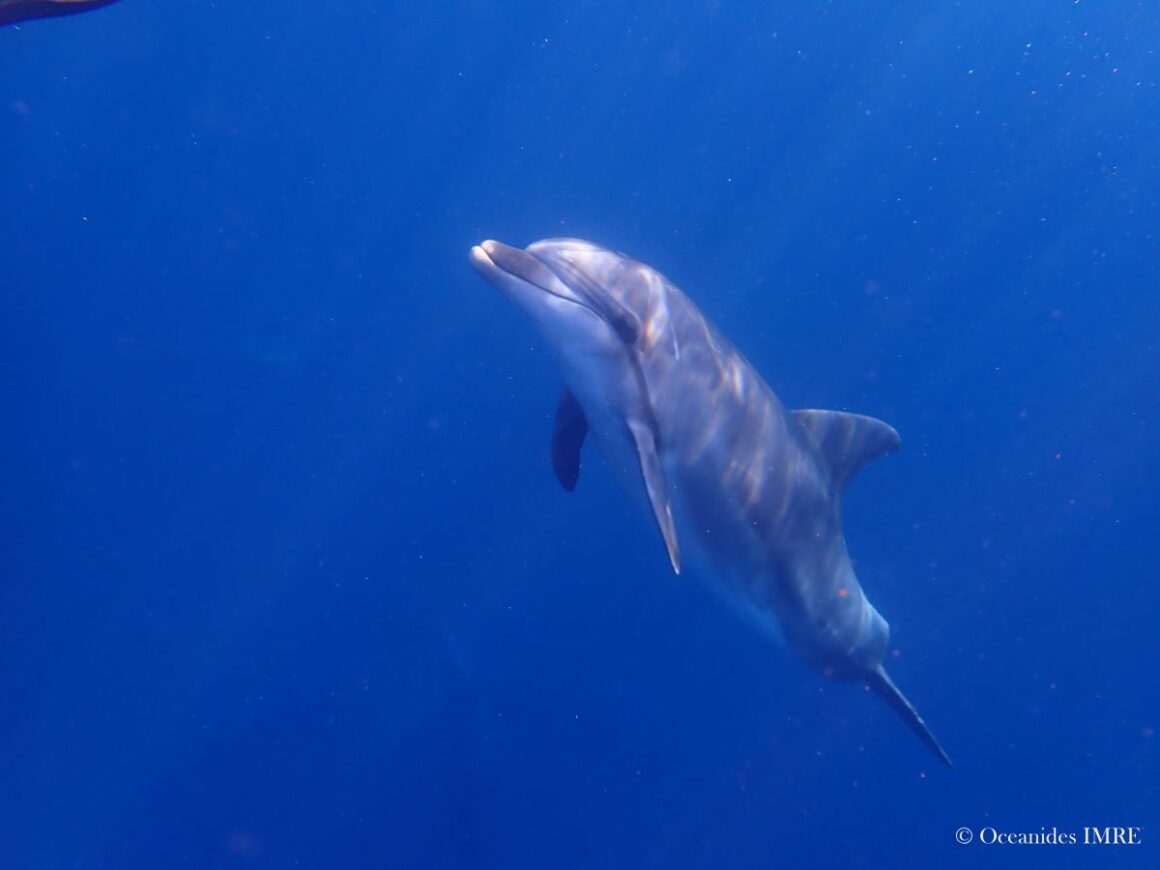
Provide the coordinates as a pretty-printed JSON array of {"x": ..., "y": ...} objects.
[
  {"x": 15, "y": 11},
  {"x": 884, "y": 687}
]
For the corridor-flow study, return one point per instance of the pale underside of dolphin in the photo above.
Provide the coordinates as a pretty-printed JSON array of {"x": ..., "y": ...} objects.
[{"x": 691, "y": 429}]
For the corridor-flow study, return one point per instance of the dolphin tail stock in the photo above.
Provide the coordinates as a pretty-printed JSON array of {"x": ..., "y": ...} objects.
[{"x": 878, "y": 680}]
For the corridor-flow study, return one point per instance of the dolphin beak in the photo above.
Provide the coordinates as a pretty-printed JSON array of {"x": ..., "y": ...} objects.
[
  {"x": 480, "y": 258},
  {"x": 522, "y": 276},
  {"x": 514, "y": 272},
  {"x": 490, "y": 258}
]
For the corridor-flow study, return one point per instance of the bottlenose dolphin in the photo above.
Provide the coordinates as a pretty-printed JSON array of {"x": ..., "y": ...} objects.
[
  {"x": 13, "y": 11},
  {"x": 690, "y": 427}
]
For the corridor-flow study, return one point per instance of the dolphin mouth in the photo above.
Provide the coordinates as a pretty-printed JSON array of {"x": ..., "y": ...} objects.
[
  {"x": 497, "y": 262},
  {"x": 490, "y": 256}
]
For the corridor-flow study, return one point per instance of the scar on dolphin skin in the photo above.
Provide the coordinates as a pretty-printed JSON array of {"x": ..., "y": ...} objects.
[{"x": 15, "y": 11}]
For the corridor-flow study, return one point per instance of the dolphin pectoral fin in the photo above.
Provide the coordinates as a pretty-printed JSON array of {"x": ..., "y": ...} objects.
[
  {"x": 884, "y": 687},
  {"x": 847, "y": 441},
  {"x": 657, "y": 487},
  {"x": 568, "y": 432}
]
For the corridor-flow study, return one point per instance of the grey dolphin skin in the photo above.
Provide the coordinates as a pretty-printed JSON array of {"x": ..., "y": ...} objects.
[
  {"x": 15, "y": 11},
  {"x": 750, "y": 490}
]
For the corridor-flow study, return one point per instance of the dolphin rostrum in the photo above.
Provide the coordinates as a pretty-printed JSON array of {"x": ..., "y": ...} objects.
[{"x": 687, "y": 424}]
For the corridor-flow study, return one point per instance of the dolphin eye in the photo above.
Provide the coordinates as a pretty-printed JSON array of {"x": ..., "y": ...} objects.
[{"x": 625, "y": 325}]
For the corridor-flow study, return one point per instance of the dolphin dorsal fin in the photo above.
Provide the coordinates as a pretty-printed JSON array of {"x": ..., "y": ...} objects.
[
  {"x": 846, "y": 441},
  {"x": 568, "y": 432}
]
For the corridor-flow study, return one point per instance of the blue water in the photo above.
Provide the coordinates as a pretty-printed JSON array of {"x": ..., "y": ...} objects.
[{"x": 286, "y": 578}]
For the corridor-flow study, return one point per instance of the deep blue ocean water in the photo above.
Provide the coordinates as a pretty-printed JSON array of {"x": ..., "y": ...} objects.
[{"x": 286, "y": 578}]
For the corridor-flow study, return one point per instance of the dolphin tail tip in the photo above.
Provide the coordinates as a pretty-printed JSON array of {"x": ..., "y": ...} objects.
[{"x": 878, "y": 680}]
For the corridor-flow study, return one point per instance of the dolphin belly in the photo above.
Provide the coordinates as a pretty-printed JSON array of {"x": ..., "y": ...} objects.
[{"x": 729, "y": 562}]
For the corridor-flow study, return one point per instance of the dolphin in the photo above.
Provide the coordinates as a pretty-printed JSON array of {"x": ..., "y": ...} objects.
[
  {"x": 14, "y": 11},
  {"x": 752, "y": 490}
]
